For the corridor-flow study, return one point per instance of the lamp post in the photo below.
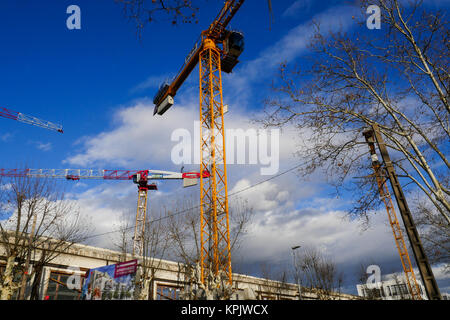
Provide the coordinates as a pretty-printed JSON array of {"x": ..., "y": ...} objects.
[{"x": 296, "y": 271}]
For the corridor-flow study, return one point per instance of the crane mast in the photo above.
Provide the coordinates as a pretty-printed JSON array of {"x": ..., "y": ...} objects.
[
  {"x": 214, "y": 217},
  {"x": 18, "y": 116},
  {"x": 217, "y": 50}
]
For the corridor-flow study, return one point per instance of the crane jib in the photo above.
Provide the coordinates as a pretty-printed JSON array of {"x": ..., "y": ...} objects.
[
  {"x": 215, "y": 31},
  {"x": 9, "y": 114},
  {"x": 18, "y": 116}
]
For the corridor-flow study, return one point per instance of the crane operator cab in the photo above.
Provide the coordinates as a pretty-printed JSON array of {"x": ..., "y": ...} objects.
[
  {"x": 142, "y": 182},
  {"x": 232, "y": 49}
]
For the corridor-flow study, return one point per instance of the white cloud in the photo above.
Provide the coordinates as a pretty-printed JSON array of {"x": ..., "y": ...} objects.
[
  {"x": 289, "y": 47},
  {"x": 44, "y": 146},
  {"x": 139, "y": 138},
  {"x": 274, "y": 232},
  {"x": 6, "y": 136},
  {"x": 152, "y": 82},
  {"x": 296, "y": 8},
  {"x": 104, "y": 204}
]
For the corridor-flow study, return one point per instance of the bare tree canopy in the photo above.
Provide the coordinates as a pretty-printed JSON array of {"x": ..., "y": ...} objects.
[
  {"x": 396, "y": 77},
  {"x": 184, "y": 229},
  {"x": 37, "y": 221},
  {"x": 147, "y": 11},
  {"x": 155, "y": 244},
  {"x": 176, "y": 12},
  {"x": 184, "y": 237},
  {"x": 318, "y": 273}
]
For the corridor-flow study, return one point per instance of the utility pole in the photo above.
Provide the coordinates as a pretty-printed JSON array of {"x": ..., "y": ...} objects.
[
  {"x": 296, "y": 271},
  {"x": 425, "y": 270}
]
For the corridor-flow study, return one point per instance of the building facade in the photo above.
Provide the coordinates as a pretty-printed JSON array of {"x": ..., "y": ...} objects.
[
  {"x": 61, "y": 279},
  {"x": 392, "y": 289}
]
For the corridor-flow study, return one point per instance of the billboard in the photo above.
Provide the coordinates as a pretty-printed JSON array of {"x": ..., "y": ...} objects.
[{"x": 112, "y": 282}]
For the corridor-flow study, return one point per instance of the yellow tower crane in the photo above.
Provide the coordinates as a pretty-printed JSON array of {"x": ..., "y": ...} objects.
[{"x": 217, "y": 50}]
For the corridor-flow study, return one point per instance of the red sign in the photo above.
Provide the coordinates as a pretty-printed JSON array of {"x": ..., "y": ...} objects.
[{"x": 125, "y": 268}]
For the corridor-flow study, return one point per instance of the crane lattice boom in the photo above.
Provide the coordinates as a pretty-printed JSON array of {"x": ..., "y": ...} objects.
[
  {"x": 18, "y": 116},
  {"x": 140, "y": 177},
  {"x": 77, "y": 174}
]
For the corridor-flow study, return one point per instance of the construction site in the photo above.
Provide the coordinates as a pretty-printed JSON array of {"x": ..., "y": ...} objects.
[{"x": 307, "y": 161}]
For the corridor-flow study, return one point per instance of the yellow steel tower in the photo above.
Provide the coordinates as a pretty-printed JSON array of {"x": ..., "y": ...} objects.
[
  {"x": 214, "y": 218},
  {"x": 217, "y": 51}
]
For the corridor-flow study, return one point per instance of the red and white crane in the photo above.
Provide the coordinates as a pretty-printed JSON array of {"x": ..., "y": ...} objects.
[
  {"x": 19, "y": 116},
  {"x": 140, "y": 177}
]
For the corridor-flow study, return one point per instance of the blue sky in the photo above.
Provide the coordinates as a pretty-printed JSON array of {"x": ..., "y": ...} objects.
[{"x": 98, "y": 82}]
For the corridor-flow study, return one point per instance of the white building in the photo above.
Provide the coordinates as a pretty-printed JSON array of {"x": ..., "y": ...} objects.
[
  {"x": 445, "y": 296},
  {"x": 391, "y": 289}
]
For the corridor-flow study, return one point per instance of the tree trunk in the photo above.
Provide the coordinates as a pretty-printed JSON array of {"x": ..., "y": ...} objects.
[
  {"x": 7, "y": 287},
  {"x": 36, "y": 282}
]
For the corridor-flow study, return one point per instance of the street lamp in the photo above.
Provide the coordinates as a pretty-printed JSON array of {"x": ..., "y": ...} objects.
[{"x": 296, "y": 271}]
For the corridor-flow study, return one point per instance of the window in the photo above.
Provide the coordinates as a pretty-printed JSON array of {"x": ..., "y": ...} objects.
[
  {"x": 399, "y": 289},
  {"x": 403, "y": 289},
  {"x": 394, "y": 290},
  {"x": 57, "y": 288},
  {"x": 165, "y": 292}
]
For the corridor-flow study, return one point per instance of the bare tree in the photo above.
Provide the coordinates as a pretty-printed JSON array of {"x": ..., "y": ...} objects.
[
  {"x": 275, "y": 280},
  {"x": 396, "y": 77},
  {"x": 122, "y": 240},
  {"x": 148, "y": 11},
  {"x": 38, "y": 225},
  {"x": 319, "y": 273},
  {"x": 434, "y": 230},
  {"x": 184, "y": 231},
  {"x": 176, "y": 12},
  {"x": 184, "y": 226},
  {"x": 155, "y": 243}
]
